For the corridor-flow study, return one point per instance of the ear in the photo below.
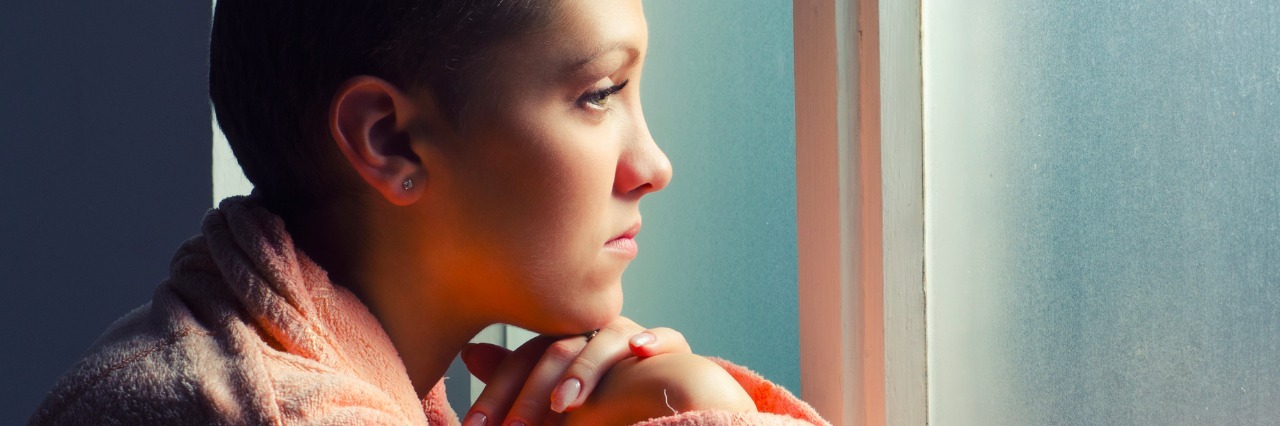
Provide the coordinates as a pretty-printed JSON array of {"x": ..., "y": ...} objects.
[{"x": 369, "y": 120}]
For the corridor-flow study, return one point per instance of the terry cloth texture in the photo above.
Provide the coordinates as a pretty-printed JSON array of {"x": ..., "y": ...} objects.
[{"x": 248, "y": 330}]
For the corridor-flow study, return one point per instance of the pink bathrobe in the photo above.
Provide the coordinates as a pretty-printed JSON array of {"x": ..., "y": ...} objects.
[{"x": 248, "y": 330}]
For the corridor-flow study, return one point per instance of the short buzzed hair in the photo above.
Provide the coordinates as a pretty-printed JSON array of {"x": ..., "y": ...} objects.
[{"x": 275, "y": 65}]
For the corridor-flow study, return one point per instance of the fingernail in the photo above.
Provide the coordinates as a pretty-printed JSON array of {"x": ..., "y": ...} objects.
[
  {"x": 642, "y": 339},
  {"x": 476, "y": 418},
  {"x": 565, "y": 394}
]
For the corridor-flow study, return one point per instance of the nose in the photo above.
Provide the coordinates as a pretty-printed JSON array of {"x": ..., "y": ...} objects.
[{"x": 643, "y": 167}]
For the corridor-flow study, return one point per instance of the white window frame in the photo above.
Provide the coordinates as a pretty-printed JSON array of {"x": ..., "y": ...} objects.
[{"x": 860, "y": 212}]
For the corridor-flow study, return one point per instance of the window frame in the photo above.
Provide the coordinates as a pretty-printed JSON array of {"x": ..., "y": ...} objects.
[{"x": 860, "y": 215}]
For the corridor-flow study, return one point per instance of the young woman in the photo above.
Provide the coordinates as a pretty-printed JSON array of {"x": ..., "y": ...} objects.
[{"x": 423, "y": 169}]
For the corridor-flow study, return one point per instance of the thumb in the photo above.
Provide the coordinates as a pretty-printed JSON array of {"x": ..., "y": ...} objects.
[{"x": 483, "y": 359}]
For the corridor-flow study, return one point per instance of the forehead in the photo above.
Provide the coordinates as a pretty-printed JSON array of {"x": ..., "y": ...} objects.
[{"x": 580, "y": 32}]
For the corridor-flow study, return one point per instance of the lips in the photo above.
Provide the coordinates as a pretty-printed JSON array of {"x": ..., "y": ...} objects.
[
  {"x": 630, "y": 232},
  {"x": 625, "y": 243}
]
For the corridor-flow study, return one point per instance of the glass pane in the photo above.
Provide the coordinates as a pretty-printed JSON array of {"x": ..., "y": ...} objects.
[{"x": 1103, "y": 211}]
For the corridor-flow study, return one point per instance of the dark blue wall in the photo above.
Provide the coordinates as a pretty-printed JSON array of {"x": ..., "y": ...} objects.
[{"x": 104, "y": 171}]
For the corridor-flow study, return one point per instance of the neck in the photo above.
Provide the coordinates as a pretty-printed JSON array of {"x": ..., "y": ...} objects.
[{"x": 420, "y": 312}]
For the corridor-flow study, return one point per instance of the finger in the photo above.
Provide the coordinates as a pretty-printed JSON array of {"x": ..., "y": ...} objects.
[
  {"x": 657, "y": 341},
  {"x": 534, "y": 402},
  {"x": 504, "y": 384},
  {"x": 579, "y": 378},
  {"x": 553, "y": 419},
  {"x": 483, "y": 359}
]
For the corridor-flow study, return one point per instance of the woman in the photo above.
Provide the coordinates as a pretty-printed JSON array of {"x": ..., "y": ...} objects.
[{"x": 422, "y": 170}]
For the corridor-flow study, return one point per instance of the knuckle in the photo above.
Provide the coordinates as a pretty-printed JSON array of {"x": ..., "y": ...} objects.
[
  {"x": 625, "y": 321},
  {"x": 622, "y": 328},
  {"x": 529, "y": 409},
  {"x": 485, "y": 403},
  {"x": 564, "y": 351},
  {"x": 672, "y": 332},
  {"x": 585, "y": 367},
  {"x": 531, "y": 349}
]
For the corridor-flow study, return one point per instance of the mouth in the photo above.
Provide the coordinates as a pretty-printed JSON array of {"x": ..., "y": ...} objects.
[{"x": 625, "y": 243}]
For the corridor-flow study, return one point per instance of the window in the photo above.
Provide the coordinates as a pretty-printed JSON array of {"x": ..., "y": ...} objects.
[
  {"x": 1094, "y": 193},
  {"x": 1102, "y": 203}
]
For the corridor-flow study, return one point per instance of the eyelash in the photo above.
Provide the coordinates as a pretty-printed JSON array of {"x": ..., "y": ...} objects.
[{"x": 599, "y": 99}]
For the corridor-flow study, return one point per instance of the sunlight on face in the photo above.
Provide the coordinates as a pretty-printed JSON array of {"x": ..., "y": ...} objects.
[{"x": 541, "y": 192}]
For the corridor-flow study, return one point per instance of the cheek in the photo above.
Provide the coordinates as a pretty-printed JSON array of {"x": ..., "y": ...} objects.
[
  {"x": 547, "y": 197},
  {"x": 540, "y": 206},
  {"x": 569, "y": 207}
]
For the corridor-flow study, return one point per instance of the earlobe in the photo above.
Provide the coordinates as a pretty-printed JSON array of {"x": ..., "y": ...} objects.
[{"x": 369, "y": 120}]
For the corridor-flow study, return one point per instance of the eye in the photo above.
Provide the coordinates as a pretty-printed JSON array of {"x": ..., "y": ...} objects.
[{"x": 599, "y": 98}]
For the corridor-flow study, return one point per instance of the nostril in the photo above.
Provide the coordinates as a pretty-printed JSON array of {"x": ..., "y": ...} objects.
[{"x": 643, "y": 189}]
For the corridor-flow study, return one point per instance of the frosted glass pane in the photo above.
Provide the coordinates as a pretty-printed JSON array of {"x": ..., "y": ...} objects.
[{"x": 1103, "y": 211}]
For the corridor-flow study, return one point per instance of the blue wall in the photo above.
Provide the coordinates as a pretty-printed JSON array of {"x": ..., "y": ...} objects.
[{"x": 104, "y": 124}]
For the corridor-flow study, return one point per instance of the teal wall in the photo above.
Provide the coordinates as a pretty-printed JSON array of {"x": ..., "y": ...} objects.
[{"x": 718, "y": 250}]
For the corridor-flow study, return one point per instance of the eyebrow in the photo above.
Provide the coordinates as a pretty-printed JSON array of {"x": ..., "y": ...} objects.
[{"x": 582, "y": 62}]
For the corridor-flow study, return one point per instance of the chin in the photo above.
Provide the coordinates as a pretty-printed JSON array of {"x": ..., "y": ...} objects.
[
  {"x": 582, "y": 314},
  {"x": 603, "y": 319},
  {"x": 596, "y": 315}
]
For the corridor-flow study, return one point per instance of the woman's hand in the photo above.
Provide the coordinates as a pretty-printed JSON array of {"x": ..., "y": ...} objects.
[
  {"x": 639, "y": 389},
  {"x": 549, "y": 375}
]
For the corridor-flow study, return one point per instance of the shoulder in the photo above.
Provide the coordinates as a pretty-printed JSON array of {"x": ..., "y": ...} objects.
[
  {"x": 154, "y": 367},
  {"x": 226, "y": 340},
  {"x": 173, "y": 362}
]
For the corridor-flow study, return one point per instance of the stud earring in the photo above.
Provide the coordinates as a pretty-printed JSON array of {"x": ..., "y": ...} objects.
[{"x": 407, "y": 185}]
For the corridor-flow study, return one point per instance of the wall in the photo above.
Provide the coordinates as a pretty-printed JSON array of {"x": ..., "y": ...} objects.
[
  {"x": 718, "y": 250},
  {"x": 104, "y": 120}
]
